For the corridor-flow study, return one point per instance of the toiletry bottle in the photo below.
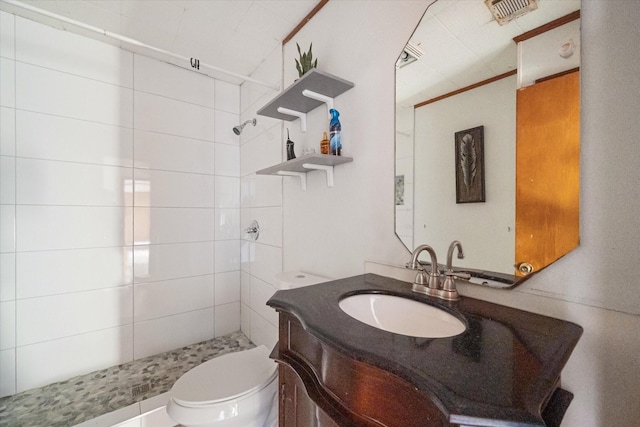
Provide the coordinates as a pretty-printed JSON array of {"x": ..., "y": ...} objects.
[
  {"x": 334, "y": 132},
  {"x": 290, "y": 153},
  {"x": 324, "y": 144}
]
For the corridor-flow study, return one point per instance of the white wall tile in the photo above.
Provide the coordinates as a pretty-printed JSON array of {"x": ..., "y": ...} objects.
[
  {"x": 7, "y": 228},
  {"x": 43, "y": 136},
  {"x": 225, "y": 122},
  {"x": 247, "y": 255},
  {"x": 64, "y": 51},
  {"x": 269, "y": 71},
  {"x": 161, "y": 78},
  {"x": 173, "y": 153},
  {"x": 167, "y": 333},
  {"x": 227, "y": 97},
  {"x": 227, "y": 287},
  {"x": 245, "y": 319},
  {"x": 266, "y": 262},
  {"x": 263, "y": 332},
  {"x": 164, "y": 262},
  {"x": 267, "y": 127},
  {"x": 7, "y": 276},
  {"x": 8, "y": 83},
  {"x": 7, "y": 372},
  {"x": 7, "y": 131},
  {"x": 72, "y": 227},
  {"x": 227, "y": 224},
  {"x": 173, "y": 189},
  {"x": 44, "y": 273},
  {"x": 227, "y": 318},
  {"x": 160, "y": 299},
  {"x": 54, "y": 92},
  {"x": 245, "y": 287},
  {"x": 227, "y": 256},
  {"x": 7, "y": 38},
  {"x": 58, "y": 360},
  {"x": 227, "y": 160},
  {"x": 263, "y": 151},
  {"x": 160, "y": 114},
  {"x": 261, "y": 190},
  {"x": 227, "y": 193},
  {"x": 48, "y": 182},
  {"x": 58, "y": 316},
  {"x": 7, "y": 180},
  {"x": 260, "y": 293},
  {"x": 7, "y": 325},
  {"x": 173, "y": 225},
  {"x": 270, "y": 220}
]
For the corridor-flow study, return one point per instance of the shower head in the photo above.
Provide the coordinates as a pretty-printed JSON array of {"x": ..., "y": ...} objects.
[{"x": 238, "y": 129}]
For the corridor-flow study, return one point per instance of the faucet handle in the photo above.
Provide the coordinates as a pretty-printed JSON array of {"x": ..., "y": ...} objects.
[{"x": 449, "y": 291}]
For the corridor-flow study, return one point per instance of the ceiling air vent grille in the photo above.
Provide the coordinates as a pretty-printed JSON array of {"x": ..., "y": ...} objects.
[
  {"x": 410, "y": 54},
  {"x": 507, "y": 10}
]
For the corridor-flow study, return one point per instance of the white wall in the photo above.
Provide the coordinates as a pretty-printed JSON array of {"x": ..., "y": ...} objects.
[
  {"x": 120, "y": 206},
  {"x": 261, "y": 200},
  {"x": 333, "y": 231}
]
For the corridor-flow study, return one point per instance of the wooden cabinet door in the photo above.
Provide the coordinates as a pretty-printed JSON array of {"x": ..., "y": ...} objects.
[
  {"x": 296, "y": 408},
  {"x": 547, "y": 170}
]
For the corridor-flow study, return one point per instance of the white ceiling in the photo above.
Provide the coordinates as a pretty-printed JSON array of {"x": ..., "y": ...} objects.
[
  {"x": 462, "y": 42},
  {"x": 463, "y": 45},
  {"x": 236, "y": 35}
]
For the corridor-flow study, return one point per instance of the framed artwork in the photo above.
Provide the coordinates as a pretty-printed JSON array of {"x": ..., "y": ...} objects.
[{"x": 469, "y": 165}]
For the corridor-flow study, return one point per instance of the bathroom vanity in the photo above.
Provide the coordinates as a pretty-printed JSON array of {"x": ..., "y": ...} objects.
[{"x": 503, "y": 370}]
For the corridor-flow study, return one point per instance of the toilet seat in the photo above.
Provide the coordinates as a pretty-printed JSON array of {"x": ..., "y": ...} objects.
[{"x": 225, "y": 378}]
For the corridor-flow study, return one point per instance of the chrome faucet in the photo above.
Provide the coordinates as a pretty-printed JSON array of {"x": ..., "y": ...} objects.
[
  {"x": 429, "y": 284},
  {"x": 425, "y": 284},
  {"x": 449, "y": 291}
]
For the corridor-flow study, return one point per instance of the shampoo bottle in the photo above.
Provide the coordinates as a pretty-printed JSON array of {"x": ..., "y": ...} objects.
[
  {"x": 325, "y": 144},
  {"x": 334, "y": 132}
]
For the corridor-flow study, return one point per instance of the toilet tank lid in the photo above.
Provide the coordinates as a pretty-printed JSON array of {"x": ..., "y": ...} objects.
[
  {"x": 225, "y": 377},
  {"x": 298, "y": 279}
]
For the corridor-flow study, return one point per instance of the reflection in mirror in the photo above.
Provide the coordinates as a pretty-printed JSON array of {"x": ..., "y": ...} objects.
[{"x": 462, "y": 70}]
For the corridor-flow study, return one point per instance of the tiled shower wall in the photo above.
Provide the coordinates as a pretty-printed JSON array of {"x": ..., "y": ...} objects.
[
  {"x": 261, "y": 199},
  {"x": 120, "y": 206}
]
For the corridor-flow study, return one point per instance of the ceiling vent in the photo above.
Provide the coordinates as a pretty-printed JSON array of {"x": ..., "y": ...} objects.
[
  {"x": 411, "y": 53},
  {"x": 507, "y": 10}
]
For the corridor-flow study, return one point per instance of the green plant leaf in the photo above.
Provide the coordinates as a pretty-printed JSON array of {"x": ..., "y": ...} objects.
[{"x": 305, "y": 62}]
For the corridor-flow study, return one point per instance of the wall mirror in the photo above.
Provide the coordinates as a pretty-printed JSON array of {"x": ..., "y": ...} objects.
[{"x": 487, "y": 137}]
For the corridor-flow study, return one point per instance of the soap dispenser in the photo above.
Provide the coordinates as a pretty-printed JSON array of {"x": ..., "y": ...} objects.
[{"x": 334, "y": 132}]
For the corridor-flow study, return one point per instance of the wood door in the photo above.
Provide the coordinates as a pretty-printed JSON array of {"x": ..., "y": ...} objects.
[{"x": 547, "y": 170}]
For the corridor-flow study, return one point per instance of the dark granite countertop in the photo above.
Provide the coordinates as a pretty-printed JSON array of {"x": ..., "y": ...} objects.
[{"x": 500, "y": 371}]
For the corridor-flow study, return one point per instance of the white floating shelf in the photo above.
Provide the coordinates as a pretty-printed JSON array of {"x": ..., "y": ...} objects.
[
  {"x": 300, "y": 166},
  {"x": 306, "y": 94}
]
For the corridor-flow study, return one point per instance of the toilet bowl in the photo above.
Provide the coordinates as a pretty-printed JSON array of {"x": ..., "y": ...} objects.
[{"x": 237, "y": 389}]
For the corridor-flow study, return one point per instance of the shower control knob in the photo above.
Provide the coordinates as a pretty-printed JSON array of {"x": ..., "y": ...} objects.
[{"x": 253, "y": 230}]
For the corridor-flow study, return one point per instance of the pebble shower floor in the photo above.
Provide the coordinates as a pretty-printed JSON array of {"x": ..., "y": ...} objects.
[{"x": 85, "y": 397}]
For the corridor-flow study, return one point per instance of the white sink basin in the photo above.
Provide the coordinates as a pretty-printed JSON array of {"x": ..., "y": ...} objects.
[{"x": 401, "y": 316}]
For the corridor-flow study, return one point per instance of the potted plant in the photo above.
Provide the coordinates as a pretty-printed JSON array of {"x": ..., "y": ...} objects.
[{"x": 306, "y": 61}]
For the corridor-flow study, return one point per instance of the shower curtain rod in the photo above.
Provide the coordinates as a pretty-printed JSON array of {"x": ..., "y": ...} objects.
[{"x": 193, "y": 62}]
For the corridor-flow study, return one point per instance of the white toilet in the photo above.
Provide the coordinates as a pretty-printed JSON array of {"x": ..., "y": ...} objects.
[{"x": 234, "y": 390}]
